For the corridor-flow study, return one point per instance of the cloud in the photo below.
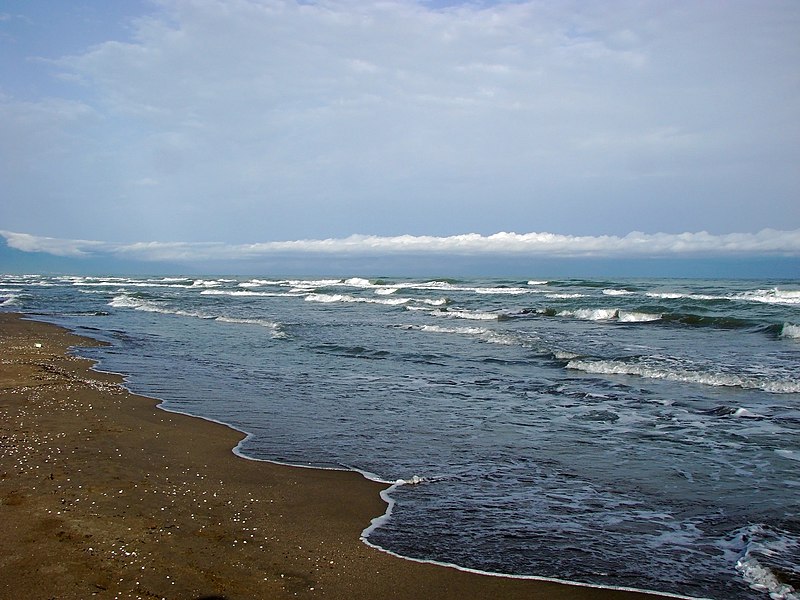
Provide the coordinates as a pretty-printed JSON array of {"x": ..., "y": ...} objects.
[
  {"x": 57, "y": 247},
  {"x": 264, "y": 120},
  {"x": 634, "y": 245}
]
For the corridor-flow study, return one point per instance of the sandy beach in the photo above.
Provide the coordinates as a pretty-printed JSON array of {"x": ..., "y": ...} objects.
[{"x": 104, "y": 495}]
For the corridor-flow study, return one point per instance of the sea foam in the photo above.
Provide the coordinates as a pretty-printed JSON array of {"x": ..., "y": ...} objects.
[
  {"x": 615, "y": 367},
  {"x": 9, "y": 300},
  {"x": 346, "y": 298},
  {"x": 790, "y": 331},
  {"x": 591, "y": 314},
  {"x": 637, "y": 317}
]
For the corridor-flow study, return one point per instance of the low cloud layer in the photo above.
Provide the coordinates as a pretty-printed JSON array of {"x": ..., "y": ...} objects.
[{"x": 634, "y": 245}]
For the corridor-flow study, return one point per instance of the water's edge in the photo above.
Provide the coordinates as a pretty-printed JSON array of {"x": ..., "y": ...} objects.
[{"x": 376, "y": 522}]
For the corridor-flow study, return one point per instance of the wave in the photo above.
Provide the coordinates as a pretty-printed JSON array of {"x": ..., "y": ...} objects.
[
  {"x": 439, "y": 285},
  {"x": 122, "y": 282},
  {"x": 310, "y": 283},
  {"x": 591, "y": 314},
  {"x": 637, "y": 317},
  {"x": 681, "y": 295},
  {"x": 254, "y": 283},
  {"x": 763, "y": 296},
  {"x": 126, "y": 301},
  {"x": 250, "y": 293},
  {"x": 353, "y": 351},
  {"x": 209, "y": 283},
  {"x": 695, "y": 320},
  {"x": 606, "y": 314},
  {"x": 358, "y": 282},
  {"x": 791, "y": 331},
  {"x": 617, "y": 367},
  {"x": 790, "y": 454},
  {"x": 565, "y": 296},
  {"x": 486, "y": 334},
  {"x": 271, "y": 325},
  {"x": 687, "y": 319},
  {"x": 306, "y": 285},
  {"x": 732, "y": 411},
  {"x": 761, "y": 545},
  {"x": 346, "y": 298},
  {"x": 773, "y": 296},
  {"x": 141, "y": 304},
  {"x": 501, "y": 291},
  {"x": 455, "y": 330},
  {"x": 468, "y": 314},
  {"x": 9, "y": 300}
]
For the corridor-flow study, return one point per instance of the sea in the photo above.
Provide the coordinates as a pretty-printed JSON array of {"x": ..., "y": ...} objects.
[{"x": 630, "y": 433}]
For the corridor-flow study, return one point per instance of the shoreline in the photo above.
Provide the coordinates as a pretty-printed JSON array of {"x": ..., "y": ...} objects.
[{"x": 109, "y": 496}]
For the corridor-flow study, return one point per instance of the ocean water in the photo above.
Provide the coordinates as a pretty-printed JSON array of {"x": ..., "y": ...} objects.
[{"x": 634, "y": 433}]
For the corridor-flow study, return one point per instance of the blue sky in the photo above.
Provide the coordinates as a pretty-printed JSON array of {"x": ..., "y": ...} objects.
[{"x": 168, "y": 129}]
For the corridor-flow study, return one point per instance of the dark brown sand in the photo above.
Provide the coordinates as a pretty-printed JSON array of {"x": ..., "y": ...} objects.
[{"x": 102, "y": 494}]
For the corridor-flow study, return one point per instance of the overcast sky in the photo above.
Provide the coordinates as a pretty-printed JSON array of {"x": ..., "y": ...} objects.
[{"x": 244, "y": 122}]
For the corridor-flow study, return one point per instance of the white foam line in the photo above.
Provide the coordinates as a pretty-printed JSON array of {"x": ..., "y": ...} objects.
[
  {"x": 377, "y": 522},
  {"x": 381, "y": 520}
]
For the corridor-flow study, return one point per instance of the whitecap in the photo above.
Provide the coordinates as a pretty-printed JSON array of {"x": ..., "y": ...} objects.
[
  {"x": 261, "y": 283},
  {"x": 679, "y": 295},
  {"x": 501, "y": 291},
  {"x": 434, "y": 301},
  {"x": 565, "y": 296},
  {"x": 762, "y": 579},
  {"x": 467, "y": 314},
  {"x": 666, "y": 295},
  {"x": 131, "y": 302},
  {"x": 250, "y": 293},
  {"x": 637, "y": 317},
  {"x": 611, "y": 292},
  {"x": 743, "y": 412},
  {"x": 773, "y": 296},
  {"x": 790, "y": 331},
  {"x": 614, "y": 367},
  {"x": 457, "y": 330},
  {"x": 345, "y": 298},
  {"x": 486, "y": 334},
  {"x": 591, "y": 314},
  {"x": 9, "y": 300},
  {"x": 126, "y": 301},
  {"x": 358, "y": 282},
  {"x": 415, "y": 480},
  {"x": 304, "y": 284},
  {"x": 207, "y": 283}
]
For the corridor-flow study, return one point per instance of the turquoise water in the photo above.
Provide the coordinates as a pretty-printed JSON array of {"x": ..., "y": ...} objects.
[{"x": 638, "y": 433}]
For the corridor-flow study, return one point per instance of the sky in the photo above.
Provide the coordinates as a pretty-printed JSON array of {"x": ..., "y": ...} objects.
[{"x": 168, "y": 131}]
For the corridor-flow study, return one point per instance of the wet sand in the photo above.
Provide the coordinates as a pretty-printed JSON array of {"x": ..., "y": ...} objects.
[{"x": 104, "y": 495}]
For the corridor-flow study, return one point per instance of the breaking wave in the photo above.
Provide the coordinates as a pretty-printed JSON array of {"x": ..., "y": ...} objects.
[
  {"x": 126, "y": 301},
  {"x": 791, "y": 331},
  {"x": 618, "y": 367}
]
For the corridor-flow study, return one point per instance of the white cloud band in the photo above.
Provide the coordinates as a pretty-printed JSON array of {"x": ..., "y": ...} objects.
[{"x": 767, "y": 242}]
